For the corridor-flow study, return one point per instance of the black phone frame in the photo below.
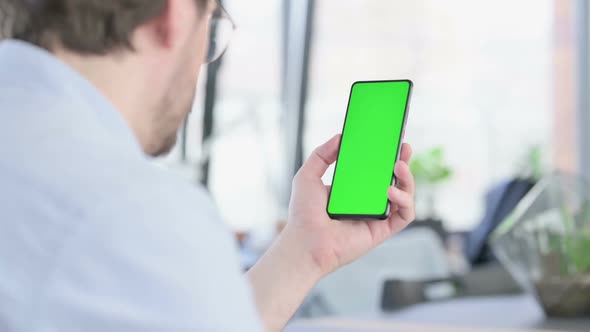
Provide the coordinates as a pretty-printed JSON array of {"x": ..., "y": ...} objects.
[{"x": 386, "y": 213}]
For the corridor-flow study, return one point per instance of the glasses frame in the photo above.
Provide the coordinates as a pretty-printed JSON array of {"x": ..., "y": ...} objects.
[{"x": 219, "y": 14}]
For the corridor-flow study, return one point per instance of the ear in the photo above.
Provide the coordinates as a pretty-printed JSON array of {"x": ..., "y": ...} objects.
[{"x": 168, "y": 28}]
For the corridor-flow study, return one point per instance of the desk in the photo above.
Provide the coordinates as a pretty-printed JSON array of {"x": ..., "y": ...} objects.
[{"x": 518, "y": 313}]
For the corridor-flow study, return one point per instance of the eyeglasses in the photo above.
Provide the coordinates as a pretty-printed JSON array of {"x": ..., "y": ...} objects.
[{"x": 221, "y": 28}]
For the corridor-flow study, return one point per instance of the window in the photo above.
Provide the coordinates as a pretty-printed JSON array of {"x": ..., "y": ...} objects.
[
  {"x": 245, "y": 151},
  {"x": 482, "y": 77}
]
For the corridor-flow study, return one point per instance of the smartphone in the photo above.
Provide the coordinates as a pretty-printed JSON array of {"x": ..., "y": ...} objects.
[{"x": 370, "y": 146}]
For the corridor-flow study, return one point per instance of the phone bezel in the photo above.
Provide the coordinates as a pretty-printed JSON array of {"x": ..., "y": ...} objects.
[{"x": 385, "y": 215}]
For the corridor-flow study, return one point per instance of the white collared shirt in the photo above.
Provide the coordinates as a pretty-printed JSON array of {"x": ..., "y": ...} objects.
[{"x": 93, "y": 237}]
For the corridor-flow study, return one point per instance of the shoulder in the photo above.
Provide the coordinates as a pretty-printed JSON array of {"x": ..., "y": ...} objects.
[
  {"x": 158, "y": 251},
  {"x": 144, "y": 196}
]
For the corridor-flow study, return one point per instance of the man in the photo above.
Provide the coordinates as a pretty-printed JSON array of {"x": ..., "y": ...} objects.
[{"x": 92, "y": 236}]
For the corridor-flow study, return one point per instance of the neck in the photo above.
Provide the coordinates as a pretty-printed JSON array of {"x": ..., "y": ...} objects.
[{"x": 121, "y": 81}]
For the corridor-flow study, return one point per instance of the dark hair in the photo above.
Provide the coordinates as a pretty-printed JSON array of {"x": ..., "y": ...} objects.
[{"x": 84, "y": 26}]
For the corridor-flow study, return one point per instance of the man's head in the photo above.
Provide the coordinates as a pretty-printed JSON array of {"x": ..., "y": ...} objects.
[{"x": 144, "y": 55}]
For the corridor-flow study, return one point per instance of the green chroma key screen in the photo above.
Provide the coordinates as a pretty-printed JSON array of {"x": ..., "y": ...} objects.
[{"x": 369, "y": 149}]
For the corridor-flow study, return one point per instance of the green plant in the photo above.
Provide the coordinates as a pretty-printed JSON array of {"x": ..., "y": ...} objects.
[
  {"x": 581, "y": 253},
  {"x": 532, "y": 165},
  {"x": 573, "y": 245},
  {"x": 430, "y": 167},
  {"x": 572, "y": 252},
  {"x": 578, "y": 239}
]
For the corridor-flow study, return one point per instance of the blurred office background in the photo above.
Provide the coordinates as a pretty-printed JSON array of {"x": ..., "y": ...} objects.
[
  {"x": 500, "y": 102},
  {"x": 485, "y": 75},
  {"x": 498, "y": 122},
  {"x": 485, "y": 94}
]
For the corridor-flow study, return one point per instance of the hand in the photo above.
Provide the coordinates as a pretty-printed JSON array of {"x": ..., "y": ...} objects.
[
  {"x": 334, "y": 243},
  {"x": 313, "y": 245}
]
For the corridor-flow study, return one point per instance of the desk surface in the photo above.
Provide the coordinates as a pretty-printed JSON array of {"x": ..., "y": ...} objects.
[{"x": 490, "y": 314}]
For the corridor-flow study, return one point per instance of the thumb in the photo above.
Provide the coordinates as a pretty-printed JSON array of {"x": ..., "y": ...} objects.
[{"x": 321, "y": 158}]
